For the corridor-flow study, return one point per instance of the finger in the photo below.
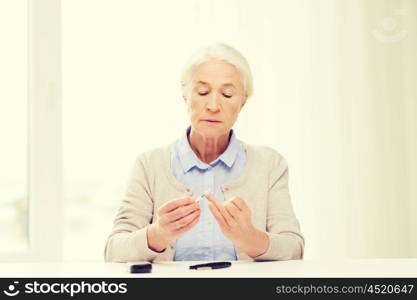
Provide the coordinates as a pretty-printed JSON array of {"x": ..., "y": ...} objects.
[
  {"x": 188, "y": 226},
  {"x": 233, "y": 210},
  {"x": 239, "y": 203},
  {"x": 216, "y": 203},
  {"x": 209, "y": 196},
  {"x": 173, "y": 204},
  {"x": 218, "y": 216},
  {"x": 226, "y": 215},
  {"x": 181, "y": 211},
  {"x": 179, "y": 224}
]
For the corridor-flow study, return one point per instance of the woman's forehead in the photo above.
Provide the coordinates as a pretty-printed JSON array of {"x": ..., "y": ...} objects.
[
  {"x": 223, "y": 84},
  {"x": 216, "y": 72}
]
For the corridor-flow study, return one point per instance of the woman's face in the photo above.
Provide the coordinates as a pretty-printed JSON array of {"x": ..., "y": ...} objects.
[{"x": 216, "y": 98}]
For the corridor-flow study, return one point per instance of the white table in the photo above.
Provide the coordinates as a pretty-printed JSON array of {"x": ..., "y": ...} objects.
[{"x": 295, "y": 268}]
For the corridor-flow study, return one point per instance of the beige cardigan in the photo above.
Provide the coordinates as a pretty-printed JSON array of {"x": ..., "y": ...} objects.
[{"x": 263, "y": 185}]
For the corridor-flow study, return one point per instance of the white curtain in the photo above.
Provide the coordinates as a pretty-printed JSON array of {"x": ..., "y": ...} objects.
[{"x": 338, "y": 98}]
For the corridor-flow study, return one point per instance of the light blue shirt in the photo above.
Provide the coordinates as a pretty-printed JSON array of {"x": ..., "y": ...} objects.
[{"x": 205, "y": 241}]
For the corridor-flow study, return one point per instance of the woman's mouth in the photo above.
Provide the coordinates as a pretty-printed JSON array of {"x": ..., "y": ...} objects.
[{"x": 212, "y": 121}]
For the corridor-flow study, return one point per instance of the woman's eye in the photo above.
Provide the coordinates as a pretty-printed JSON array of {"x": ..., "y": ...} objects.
[
  {"x": 202, "y": 93},
  {"x": 227, "y": 96}
]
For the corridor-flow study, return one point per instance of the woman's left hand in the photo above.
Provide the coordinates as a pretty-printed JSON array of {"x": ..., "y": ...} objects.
[{"x": 234, "y": 218}]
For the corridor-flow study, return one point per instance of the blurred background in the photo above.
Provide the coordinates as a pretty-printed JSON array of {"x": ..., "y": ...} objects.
[{"x": 335, "y": 93}]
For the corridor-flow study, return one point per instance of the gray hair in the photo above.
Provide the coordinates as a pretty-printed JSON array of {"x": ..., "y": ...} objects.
[{"x": 218, "y": 51}]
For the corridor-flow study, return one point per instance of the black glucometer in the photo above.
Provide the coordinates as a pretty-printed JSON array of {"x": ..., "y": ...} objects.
[{"x": 140, "y": 267}]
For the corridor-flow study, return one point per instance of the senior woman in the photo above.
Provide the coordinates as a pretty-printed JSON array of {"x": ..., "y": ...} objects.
[{"x": 246, "y": 211}]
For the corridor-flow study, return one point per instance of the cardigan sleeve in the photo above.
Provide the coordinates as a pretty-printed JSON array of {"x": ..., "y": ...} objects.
[
  {"x": 128, "y": 239},
  {"x": 285, "y": 239}
]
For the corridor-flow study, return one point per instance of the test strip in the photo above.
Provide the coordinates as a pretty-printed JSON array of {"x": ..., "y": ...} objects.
[{"x": 201, "y": 197}]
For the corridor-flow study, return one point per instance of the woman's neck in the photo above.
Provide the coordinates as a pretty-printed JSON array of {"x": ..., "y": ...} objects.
[{"x": 206, "y": 148}]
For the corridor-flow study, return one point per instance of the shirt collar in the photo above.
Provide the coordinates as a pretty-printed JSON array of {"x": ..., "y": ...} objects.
[{"x": 189, "y": 159}]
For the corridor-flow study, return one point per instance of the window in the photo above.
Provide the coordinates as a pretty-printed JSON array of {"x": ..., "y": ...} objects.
[{"x": 13, "y": 127}]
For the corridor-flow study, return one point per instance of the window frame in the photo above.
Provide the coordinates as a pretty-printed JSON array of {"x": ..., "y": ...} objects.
[{"x": 45, "y": 183}]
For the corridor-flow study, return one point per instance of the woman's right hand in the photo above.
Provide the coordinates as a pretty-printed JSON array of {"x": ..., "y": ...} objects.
[{"x": 173, "y": 219}]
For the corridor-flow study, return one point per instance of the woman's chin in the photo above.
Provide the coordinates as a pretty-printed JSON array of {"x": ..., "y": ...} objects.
[{"x": 211, "y": 131}]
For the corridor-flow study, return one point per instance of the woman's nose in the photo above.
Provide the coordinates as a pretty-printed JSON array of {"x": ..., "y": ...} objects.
[{"x": 213, "y": 102}]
